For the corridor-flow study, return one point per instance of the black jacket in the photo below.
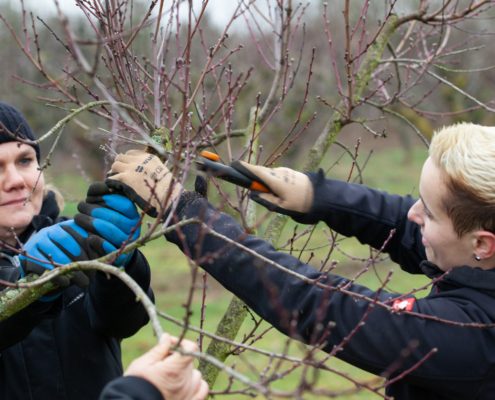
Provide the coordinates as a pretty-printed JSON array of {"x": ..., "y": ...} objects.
[
  {"x": 130, "y": 388},
  {"x": 69, "y": 348},
  {"x": 462, "y": 365}
]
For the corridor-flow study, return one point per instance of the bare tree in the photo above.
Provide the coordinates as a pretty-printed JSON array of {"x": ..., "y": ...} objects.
[{"x": 277, "y": 76}]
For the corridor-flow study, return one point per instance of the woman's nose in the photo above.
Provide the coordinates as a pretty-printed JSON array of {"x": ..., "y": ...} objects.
[
  {"x": 415, "y": 213},
  {"x": 12, "y": 178}
]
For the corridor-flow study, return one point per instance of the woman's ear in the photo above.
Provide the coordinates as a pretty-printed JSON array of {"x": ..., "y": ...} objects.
[{"x": 484, "y": 245}]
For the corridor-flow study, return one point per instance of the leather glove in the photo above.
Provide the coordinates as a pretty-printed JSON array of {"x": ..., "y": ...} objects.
[
  {"x": 172, "y": 373},
  {"x": 111, "y": 216},
  {"x": 291, "y": 191},
  {"x": 144, "y": 179},
  {"x": 61, "y": 243}
]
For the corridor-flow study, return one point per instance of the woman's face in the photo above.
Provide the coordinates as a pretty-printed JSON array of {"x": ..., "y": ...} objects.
[
  {"x": 443, "y": 246},
  {"x": 21, "y": 188}
]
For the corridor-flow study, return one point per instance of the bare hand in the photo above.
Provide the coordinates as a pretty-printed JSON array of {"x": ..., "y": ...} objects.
[{"x": 173, "y": 374}]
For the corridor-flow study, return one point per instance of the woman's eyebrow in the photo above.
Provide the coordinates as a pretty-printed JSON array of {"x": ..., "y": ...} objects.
[{"x": 25, "y": 152}]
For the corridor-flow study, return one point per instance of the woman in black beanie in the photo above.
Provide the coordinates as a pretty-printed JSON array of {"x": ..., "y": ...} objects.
[
  {"x": 19, "y": 161},
  {"x": 66, "y": 345}
]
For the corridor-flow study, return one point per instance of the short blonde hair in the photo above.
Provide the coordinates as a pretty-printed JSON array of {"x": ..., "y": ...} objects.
[{"x": 465, "y": 152}]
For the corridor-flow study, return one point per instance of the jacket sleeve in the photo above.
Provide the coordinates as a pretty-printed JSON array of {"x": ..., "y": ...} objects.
[
  {"x": 375, "y": 218},
  {"x": 313, "y": 307},
  {"x": 112, "y": 306},
  {"x": 130, "y": 388},
  {"x": 18, "y": 326}
]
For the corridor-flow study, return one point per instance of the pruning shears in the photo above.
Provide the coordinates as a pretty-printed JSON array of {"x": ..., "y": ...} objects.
[{"x": 210, "y": 163}]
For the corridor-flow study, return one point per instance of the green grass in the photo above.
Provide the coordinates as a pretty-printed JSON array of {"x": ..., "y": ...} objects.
[{"x": 171, "y": 280}]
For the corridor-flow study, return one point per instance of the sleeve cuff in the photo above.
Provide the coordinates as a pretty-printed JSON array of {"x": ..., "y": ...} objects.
[{"x": 130, "y": 388}]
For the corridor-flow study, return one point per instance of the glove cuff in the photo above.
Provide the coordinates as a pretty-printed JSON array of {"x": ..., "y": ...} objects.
[
  {"x": 186, "y": 198},
  {"x": 316, "y": 178},
  {"x": 16, "y": 262},
  {"x": 48, "y": 298}
]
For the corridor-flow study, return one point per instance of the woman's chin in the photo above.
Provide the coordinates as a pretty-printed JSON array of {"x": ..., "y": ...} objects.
[
  {"x": 16, "y": 222},
  {"x": 430, "y": 256}
]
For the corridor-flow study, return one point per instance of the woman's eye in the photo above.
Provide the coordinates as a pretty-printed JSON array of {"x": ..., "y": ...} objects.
[
  {"x": 428, "y": 213},
  {"x": 25, "y": 160}
]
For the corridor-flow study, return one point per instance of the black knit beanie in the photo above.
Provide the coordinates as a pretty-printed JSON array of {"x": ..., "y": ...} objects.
[{"x": 16, "y": 126}]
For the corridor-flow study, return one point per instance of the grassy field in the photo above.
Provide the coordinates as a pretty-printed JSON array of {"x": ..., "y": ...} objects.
[{"x": 171, "y": 277}]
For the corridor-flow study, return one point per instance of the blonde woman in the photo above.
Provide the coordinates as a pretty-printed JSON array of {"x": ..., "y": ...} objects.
[{"x": 441, "y": 346}]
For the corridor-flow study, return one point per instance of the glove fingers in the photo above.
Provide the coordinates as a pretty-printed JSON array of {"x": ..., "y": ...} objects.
[
  {"x": 29, "y": 266},
  {"x": 116, "y": 202},
  {"x": 86, "y": 222},
  {"x": 251, "y": 171},
  {"x": 39, "y": 268},
  {"x": 129, "y": 157},
  {"x": 100, "y": 247},
  {"x": 105, "y": 229},
  {"x": 63, "y": 243},
  {"x": 121, "y": 164},
  {"x": 78, "y": 233},
  {"x": 121, "y": 204},
  {"x": 267, "y": 200},
  {"x": 114, "y": 217},
  {"x": 62, "y": 281},
  {"x": 80, "y": 278},
  {"x": 131, "y": 194},
  {"x": 114, "y": 221},
  {"x": 281, "y": 181},
  {"x": 134, "y": 153},
  {"x": 66, "y": 242},
  {"x": 54, "y": 253},
  {"x": 97, "y": 189},
  {"x": 122, "y": 260},
  {"x": 124, "y": 162}
]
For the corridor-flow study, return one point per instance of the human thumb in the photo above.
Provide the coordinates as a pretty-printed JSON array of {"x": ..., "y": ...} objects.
[{"x": 161, "y": 350}]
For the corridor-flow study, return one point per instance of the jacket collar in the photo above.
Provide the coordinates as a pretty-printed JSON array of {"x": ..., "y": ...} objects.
[{"x": 463, "y": 276}]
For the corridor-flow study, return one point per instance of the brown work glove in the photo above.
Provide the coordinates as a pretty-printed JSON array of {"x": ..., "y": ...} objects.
[
  {"x": 291, "y": 191},
  {"x": 172, "y": 373},
  {"x": 144, "y": 179}
]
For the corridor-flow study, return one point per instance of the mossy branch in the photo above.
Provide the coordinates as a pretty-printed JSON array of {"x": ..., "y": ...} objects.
[
  {"x": 227, "y": 328},
  {"x": 335, "y": 123},
  {"x": 12, "y": 300},
  {"x": 236, "y": 312}
]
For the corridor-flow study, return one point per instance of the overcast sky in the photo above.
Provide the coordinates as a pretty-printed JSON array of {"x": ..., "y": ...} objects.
[{"x": 223, "y": 8}]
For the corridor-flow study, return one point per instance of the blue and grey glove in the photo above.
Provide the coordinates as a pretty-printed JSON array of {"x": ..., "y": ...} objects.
[
  {"x": 111, "y": 216},
  {"x": 61, "y": 244}
]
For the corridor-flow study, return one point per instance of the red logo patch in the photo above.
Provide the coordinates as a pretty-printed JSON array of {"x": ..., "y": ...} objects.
[{"x": 403, "y": 304}]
